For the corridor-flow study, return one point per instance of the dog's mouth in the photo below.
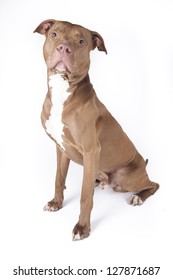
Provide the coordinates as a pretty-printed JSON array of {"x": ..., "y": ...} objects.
[{"x": 60, "y": 67}]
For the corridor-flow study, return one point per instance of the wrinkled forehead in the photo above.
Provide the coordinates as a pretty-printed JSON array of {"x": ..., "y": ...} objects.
[{"x": 67, "y": 28}]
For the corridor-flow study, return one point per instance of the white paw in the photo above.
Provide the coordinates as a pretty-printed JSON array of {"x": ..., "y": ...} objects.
[
  {"x": 80, "y": 232},
  {"x": 52, "y": 207},
  {"x": 135, "y": 200},
  {"x": 103, "y": 185},
  {"x": 48, "y": 208}
]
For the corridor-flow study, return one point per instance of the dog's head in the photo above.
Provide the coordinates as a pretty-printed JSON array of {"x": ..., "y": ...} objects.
[{"x": 67, "y": 46}]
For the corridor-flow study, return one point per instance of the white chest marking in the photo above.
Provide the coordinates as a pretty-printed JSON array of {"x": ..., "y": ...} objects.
[{"x": 59, "y": 95}]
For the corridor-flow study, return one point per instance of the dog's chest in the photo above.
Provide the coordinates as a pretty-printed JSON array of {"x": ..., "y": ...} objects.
[{"x": 54, "y": 125}]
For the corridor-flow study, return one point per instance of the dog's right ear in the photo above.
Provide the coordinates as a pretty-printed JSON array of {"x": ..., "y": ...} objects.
[{"x": 45, "y": 26}]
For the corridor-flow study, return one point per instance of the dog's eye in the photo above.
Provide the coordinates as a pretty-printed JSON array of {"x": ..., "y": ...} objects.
[
  {"x": 81, "y": 42},
  {"x": 53, "y": 34}
]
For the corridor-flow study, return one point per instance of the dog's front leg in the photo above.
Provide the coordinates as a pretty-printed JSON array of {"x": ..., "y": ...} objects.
[
  {"x": 90, "y": 163},
  {"x": 61, "y": 173}
]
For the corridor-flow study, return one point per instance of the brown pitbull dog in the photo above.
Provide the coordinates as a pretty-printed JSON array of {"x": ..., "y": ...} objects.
[{"x": 83, "y": 129}]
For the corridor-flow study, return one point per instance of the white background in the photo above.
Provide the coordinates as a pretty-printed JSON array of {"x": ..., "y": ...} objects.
[{"x": 135, "y": 82}]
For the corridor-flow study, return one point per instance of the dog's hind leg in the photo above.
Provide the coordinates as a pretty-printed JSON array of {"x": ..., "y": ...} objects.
[
  {"x": 134, "y": 178},
  {"x": 140, "y": 197}
]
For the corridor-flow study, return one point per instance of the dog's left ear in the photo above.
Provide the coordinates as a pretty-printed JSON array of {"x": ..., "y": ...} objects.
[{"x": 98, "y": 41}]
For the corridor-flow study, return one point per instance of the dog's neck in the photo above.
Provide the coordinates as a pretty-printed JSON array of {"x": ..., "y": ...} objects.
[{"x": 74, "y": 81}]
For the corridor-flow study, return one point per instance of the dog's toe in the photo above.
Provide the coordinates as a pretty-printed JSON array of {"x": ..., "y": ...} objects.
[
  {"x": 49, "y": 208},
  {"x": 53, "y": 206},
  {"x": 135, "y": 200},
  {"x": 80, "y": 232},
  {"x": 76, "y": 236}
]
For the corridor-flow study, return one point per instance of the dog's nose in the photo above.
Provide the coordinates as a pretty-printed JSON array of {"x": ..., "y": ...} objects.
[{"x": 63, "y": 48}]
